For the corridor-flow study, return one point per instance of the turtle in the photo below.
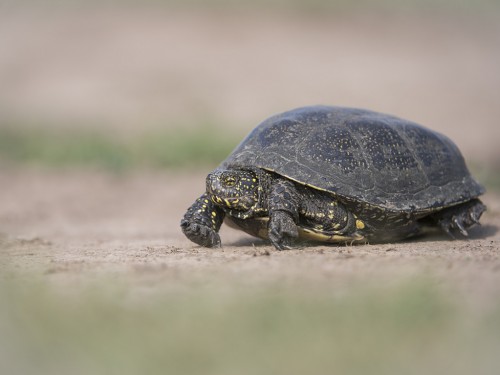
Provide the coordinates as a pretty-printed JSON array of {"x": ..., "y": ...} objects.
[{"x": 339, "y": 175}]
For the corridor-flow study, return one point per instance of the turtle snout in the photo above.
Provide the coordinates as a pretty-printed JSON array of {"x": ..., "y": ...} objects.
[
  {"x": 208, "y": 183},
  {"x": 212, "y": 183}
]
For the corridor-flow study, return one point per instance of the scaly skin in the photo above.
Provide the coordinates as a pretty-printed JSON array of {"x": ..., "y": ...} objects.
[
  {"x": 246, "y": 195},
  {"x": 243, "y": 195},
  {"x": 283, "y": 214},
  {"x": 291, "y": 205},
  {"x": 202, "y": 222}
]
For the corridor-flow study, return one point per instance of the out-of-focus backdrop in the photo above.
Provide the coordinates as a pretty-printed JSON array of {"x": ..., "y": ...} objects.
[
  {"x": 143, "y": 73},
  {"x": 113, "y": 112}
]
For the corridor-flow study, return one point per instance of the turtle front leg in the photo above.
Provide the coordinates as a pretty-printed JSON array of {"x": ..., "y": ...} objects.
[
  {"x": 283, "y": 214},
  {"x": 202, "y": 221}
]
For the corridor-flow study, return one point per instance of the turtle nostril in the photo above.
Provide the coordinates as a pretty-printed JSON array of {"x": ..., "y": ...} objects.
[{"x": 230, "y": 182}]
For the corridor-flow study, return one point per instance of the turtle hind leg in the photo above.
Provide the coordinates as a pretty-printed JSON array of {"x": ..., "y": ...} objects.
[{"x": 459, "y": 218}]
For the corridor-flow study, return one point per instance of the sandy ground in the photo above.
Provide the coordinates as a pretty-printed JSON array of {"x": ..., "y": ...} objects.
[
  {"x": 70, "y": 227},
  {"x": 126, "y": 69}
]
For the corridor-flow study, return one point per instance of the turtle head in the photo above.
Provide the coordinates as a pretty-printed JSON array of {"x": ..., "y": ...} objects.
[{"x": 234, "y": 189}]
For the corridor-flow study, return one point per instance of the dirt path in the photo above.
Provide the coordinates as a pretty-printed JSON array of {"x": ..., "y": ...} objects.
[
  {"x": 439, "y": 70},
  {"x": 73, "y": 226}
]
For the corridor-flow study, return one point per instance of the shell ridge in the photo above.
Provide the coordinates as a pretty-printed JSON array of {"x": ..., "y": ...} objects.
[{"x": 386, "y": 161}]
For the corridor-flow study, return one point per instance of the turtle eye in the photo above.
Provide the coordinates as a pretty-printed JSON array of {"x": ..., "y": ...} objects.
[{"x": 229, "y": 181}]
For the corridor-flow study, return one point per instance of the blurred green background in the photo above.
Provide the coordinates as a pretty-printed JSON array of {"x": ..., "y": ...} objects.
[
  {"x": 178, "y": 83},
  {"x": 133, "y": 85},
  {"x": 411, "y": 327}
]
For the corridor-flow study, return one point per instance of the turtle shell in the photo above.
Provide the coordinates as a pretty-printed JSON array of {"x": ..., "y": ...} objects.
[{"x": 360, "y": 155}]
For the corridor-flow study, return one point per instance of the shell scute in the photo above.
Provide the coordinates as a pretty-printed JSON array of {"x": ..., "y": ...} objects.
[{"x": 360, "y": 155}]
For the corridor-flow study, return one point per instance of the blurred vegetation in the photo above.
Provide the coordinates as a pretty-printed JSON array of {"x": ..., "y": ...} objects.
[
  {"x": 174, "y": 148},
  {"x": 181, "y": 147},
  {"x": 410, "y": 328}
]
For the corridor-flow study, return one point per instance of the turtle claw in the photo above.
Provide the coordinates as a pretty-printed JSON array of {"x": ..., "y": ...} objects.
[
  {"x": 460, "y": 218},
  {"x": 201, "y": 234},
  {"x": 460, "y": 226},
  {"x": 446, "y": 227},
  {"x": 474, "y": 218},
  {"x": 449, "y": 225}
]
